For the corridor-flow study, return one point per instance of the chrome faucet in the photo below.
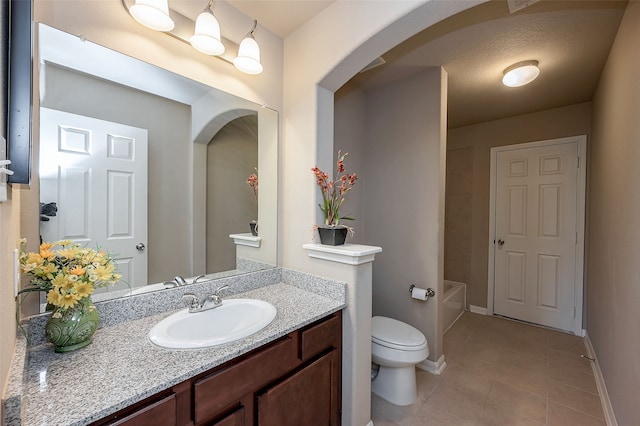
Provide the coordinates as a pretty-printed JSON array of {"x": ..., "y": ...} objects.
[
  {"x": 209, "y": 302},
  {"x": 176, "y": 282},
  {"x": 179, "y": 281}
]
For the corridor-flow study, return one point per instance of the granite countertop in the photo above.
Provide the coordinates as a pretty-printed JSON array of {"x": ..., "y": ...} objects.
[{"x": 122, "y": 366}]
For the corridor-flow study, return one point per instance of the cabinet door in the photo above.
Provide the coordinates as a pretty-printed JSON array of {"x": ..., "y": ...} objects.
[
  {"x": 224, "y": 388},
  {"x": 309, "y": 397}
]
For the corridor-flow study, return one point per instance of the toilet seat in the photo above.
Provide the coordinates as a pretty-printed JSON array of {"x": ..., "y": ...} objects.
[{"x": 395, "y": 334}]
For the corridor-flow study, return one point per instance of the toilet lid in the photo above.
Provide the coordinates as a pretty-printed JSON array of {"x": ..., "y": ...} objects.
[{"x": 393, "y": 333}]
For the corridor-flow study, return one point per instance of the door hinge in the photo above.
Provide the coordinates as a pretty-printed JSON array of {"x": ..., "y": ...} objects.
[
  {"x": 574, "y": 311},
  {"x": 576, "y": 238},
  {"x": 578, "y": 166}
]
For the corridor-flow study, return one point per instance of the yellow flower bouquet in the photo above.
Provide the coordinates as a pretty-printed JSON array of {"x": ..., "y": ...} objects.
[{"x": 69, "y": 273}]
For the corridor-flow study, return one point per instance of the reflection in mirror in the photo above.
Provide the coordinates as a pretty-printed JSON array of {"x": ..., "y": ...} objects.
[{"x": 151, "y": 166}]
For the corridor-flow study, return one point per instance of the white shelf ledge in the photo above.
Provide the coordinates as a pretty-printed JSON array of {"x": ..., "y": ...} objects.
[
  {"x": 351, "y": 254},
  {"x": 247, "y": 239}
]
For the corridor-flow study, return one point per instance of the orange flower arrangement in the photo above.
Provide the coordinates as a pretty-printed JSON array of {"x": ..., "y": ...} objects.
[
  {"x": 333, "y": 192},
  {"x": 252, "y": 181}
]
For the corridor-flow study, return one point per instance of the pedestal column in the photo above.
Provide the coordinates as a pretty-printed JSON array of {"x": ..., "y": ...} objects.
[{"x": 352, "y": 263}]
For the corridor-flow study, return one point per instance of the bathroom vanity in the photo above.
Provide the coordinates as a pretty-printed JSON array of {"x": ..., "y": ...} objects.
[
  {"x": 294, "y": 380},
  {"x": 287, "y": 373}
]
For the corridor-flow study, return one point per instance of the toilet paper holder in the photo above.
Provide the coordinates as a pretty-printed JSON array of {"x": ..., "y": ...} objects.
[{"x": 430, "y": 292}]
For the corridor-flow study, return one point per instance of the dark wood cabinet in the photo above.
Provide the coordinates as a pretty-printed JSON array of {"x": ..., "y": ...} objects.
[
  {"x": 234, "y": 419},
  {"x": 295, "y": 380},
  {"x": 308, "y": 397},
  {"x": 159, "y": 413}
]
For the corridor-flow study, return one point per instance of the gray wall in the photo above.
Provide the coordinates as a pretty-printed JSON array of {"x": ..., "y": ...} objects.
[
  {"x": 458, "y": 217},
  {"x": 350, "y": 136},
  {"x": 231, "y": 157},
  {"x": 614, "y": 233},
  {"x": 169, "y": 157},
  {"x": 468, "y": 172},
  {"x": 401, "y": 164}
]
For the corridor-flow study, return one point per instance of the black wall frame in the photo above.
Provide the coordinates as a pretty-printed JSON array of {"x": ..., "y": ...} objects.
[
  {"x": 4, "y": 65},
  {"x": 19, "y": 99}
]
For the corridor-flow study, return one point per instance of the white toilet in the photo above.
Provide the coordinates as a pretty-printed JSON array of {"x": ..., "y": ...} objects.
[{"x": 396, "y": 347}]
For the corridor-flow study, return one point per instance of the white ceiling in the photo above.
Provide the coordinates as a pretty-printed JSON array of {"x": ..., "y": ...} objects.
[{"x": 570, "y": 39}]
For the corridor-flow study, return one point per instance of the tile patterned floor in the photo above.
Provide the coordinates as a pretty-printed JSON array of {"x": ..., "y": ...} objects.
[{"x": 502, "y": 373}]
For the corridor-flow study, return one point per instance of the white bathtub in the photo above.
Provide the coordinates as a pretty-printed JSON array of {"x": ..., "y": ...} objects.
[{"x": 454, "y": 302}]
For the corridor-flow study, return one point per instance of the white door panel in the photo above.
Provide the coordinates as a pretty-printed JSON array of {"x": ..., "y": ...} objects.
[
  {"x": 96, "y": 172},
  {"x": 535, "y": 231}
]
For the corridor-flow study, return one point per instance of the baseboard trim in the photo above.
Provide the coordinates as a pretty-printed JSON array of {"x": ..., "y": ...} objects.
[
  {"x": 432, "y": 367},
  {"x": 478, "y": 310},
  {"x": 370, "y": 423},
  {"x": 609, "y": 415}
]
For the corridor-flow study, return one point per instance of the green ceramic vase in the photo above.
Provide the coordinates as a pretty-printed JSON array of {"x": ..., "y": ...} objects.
[{"x": 75, "y": 327}]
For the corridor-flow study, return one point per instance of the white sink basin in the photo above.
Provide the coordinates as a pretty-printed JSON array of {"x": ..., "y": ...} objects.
[{"x": 233, "y": 320}]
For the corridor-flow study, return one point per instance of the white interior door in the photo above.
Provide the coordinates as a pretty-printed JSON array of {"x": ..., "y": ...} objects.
[
  {"x": 536, "y": 234},
  {"x": 96, "y": 173}
]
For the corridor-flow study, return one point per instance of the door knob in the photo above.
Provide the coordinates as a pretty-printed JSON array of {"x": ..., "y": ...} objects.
[
  {"x": 140, "y": 247},
  {"x": 501, "y": 242}
]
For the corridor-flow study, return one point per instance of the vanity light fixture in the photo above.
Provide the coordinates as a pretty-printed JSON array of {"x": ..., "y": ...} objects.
[
  {"x": 248, "y": 59},
  {"x": 520, "y": 73},
  {"x": 152, "y": 14},
  {"x": 205, "y": 32},
  {"x": 206, "y": 37}
]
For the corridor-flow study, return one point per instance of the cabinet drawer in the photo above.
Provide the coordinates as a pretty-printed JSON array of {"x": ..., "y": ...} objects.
[
  {"x": 320, "y": 337},
  {"x": 160, "y": 413},
  {"x": 213, "y": 393}
]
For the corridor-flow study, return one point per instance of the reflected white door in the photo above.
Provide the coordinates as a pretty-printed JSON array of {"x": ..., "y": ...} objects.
[
  {"x": 536, "y": 203},
  {"x": 96, "y": 173}
]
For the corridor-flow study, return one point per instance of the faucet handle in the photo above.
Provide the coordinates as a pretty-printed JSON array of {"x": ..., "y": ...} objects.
[
  {"x": 192, "y": 300},
  {"x": 199, "y": 277},
  {"x": 219, "y": 289},
  {"x": 215, "y": 297}
]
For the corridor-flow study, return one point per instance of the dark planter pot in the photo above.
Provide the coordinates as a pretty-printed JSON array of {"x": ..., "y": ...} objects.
[
  {"x": 332, "y": 236},
  {"x": 254, "y": 228}
]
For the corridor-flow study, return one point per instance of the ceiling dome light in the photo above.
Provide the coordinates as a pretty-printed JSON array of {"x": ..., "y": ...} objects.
[
  {"x": 152, "y": 14},
  {"x": 248, "y": 60},
  {"x": 520, "y": 74},
  {"x": 206, "y": 37}
]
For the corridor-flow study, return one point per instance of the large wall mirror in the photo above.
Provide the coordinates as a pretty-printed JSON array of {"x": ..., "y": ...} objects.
[{"x": 152, "y": 166}]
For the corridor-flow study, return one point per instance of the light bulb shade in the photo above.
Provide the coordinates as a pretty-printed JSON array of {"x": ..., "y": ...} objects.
[
  {"x": 520, "y": 74},
  {"x": 206, "y": 37},
  {"x": 152, "y": 14},
  {"x": 248, "y": 60}
]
